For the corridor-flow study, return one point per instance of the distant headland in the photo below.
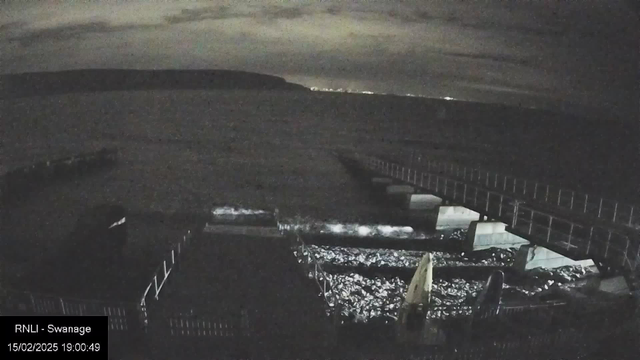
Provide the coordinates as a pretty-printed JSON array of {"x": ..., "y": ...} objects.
[{"x": 95, "y": 80}]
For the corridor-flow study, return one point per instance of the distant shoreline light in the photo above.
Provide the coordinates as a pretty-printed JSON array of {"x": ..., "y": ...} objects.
[
  {"x": 313, "y": 88},
  {"x": 353, "y": 91}
]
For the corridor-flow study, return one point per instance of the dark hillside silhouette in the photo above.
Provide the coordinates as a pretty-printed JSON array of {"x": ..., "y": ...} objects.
[{"x": 93, "y": 80}]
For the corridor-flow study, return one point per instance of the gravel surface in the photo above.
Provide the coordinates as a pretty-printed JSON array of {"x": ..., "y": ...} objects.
[
  {"x": 365, "y": 299},
  {"x": 381, "y": 258}
]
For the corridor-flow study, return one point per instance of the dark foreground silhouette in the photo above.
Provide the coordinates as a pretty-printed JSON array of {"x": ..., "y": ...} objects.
[{"x": 92, "y": 80}]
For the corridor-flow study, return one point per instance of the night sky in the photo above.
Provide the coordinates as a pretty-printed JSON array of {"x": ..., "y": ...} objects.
[{"x": 535, "y": 52}]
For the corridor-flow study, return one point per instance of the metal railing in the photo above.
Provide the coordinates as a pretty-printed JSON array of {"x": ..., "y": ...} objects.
[
  {"x": 574, "y": 240},
  {"x": 315, "y": 271},
  {"x": 161, "y": 275},
  {"x": 122, "y": 316},
  {"x": 494, "y": 334},
  {"x": 578, "y": 202},
  {"x": 228, "y": 326}
]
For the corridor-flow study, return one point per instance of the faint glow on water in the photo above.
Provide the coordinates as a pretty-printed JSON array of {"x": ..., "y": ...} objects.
[
  {"x": 311, "y": 226},
  {"x": 364, "y": 230},
  {"x": 336, "y": 228},
  {"x": 228, "y": 210}
]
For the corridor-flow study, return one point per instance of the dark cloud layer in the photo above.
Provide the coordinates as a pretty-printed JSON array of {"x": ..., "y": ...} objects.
[
  {"x": 272, "y": 12},
  {"x": 499, "y": 58},
  {"x": 568, "y": 51},
  {"x": 69, "y": 32},
  {"x": 11, "y": 26}
]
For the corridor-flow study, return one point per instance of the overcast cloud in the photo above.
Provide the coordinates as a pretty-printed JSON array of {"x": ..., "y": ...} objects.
[{"x": 537, "y": 52}]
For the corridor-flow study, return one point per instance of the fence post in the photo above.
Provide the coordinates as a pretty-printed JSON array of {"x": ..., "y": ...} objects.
[
  {"x": 615, "y": 212},
  {"x": 631, "y": 216},
  {"x": 606, "y": 251},
  {"x": 626, "y": 249},
  {"x": 546, "y": 197},
  {"x": 515, "y": 181},
  {"x": 586, "y": 201},
  {"x": 535, "y": 190},
  {"x": 421, "y": 179},
  {"x": 573, "y": 193},
  {"x": 446, "y": 181},
  {"x": 549, "y": 230},
  {"x": 464, "y": 195},
  {"x": 475, "y": 196},
  {"x": 600, "y": 208},
  {"x": 516, "y": 209},
  {"x": 155, "y": 284},
  {"x": 500, "y": 208},
  {"x": 524, "y": 191},
  {"x": 570, "y": 235},
  {"x": 559, "y": 196},
  {"x": 531, "y": 223}
]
